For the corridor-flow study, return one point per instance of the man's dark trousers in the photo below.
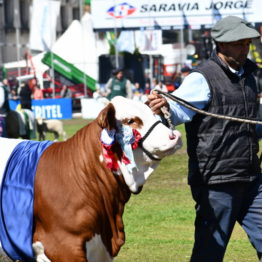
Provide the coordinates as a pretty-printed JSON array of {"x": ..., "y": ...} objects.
[{"x": 218, "y": 207}]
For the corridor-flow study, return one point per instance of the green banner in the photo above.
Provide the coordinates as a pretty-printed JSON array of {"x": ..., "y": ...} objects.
[{"x": 68, "y": 70}]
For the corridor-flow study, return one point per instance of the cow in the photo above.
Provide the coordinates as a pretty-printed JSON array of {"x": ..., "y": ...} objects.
[
  {"x": 54, "y": 126},
  {"x": 80, "y": 185}
]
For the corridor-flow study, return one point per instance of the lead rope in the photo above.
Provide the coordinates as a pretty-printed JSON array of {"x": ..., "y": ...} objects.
[
  {"x": 166, "y": 113},
  {"x": 167, "y": 116},
  {"x": 189, "y": 106}
]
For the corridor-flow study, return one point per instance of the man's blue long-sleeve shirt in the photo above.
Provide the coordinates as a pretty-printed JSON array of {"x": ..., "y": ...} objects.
[{"x": 194, "y": 90}]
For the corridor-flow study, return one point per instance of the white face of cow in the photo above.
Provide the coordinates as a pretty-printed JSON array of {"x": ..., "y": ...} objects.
[{"x": 158, "y": 141}]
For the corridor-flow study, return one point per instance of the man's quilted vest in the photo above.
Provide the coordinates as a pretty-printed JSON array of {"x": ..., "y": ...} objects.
[
  {"x": 118, "y": 88},
  {"x": 222, "y": 151}
]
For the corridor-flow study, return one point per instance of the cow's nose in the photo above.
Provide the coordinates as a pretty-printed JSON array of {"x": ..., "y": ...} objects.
[{"x": 172, "y": 137}]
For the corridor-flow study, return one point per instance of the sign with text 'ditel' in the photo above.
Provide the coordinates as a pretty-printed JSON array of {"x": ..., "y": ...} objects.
[
  {"x": 60, "y": 108},
  {"x": 169, "y": 14}
]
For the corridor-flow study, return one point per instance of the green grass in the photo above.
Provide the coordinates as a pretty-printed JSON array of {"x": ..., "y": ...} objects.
[{"x": 159, "y": 222}]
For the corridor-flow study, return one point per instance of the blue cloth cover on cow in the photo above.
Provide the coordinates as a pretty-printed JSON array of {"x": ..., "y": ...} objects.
[{"x": 17, "y": 200}]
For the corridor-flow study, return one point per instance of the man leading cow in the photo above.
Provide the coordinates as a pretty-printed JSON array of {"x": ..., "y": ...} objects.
[{"x": 224, "y": 171}]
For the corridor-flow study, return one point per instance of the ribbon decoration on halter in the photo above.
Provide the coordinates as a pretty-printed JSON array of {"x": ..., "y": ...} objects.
[{"x": 128, "y": 138}]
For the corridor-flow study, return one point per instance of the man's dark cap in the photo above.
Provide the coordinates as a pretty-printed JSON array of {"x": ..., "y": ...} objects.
[
  {"x": 116, "y": 71},
  {"x": 185, "y": 69},
  {"x": 233, "y": 28}
]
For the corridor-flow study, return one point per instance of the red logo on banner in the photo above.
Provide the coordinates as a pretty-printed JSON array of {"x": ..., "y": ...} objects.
[{"x": 121, "y": 10}]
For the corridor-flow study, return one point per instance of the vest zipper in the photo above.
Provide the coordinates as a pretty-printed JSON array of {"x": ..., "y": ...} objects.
[{"x": 242, "y": 83}]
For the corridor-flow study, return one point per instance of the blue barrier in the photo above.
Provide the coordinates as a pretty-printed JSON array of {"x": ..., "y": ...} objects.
[{"x": 60, "y": 108}]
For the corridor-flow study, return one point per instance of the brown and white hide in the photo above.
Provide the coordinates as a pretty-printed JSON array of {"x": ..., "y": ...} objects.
[{"x": 79, "y": 201}]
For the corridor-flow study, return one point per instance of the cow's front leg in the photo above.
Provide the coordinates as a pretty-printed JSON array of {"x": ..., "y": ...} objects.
[{"x": 39, "y": 252}]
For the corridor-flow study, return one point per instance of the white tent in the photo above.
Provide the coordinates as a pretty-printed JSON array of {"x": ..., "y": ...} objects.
[{"x": 78, "y": 46}]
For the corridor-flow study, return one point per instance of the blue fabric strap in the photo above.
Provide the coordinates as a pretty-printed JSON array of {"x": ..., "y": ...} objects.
[{"x": 17, "y": 200}]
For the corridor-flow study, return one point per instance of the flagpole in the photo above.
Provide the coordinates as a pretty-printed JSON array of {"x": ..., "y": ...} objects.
[
  {"x": 181, "y": 44},
  {"x": 80, "y": 9},
  {"x": 115, "y": 32},
  {"x": 116, "y": 51},
  {"x": 17, "y": 34},
  {"x": 52, "y": 72},
  {"x": 190, "y": 36},
  {"x": 84, "y": 69},
  {"x": 18, "y": 53}
]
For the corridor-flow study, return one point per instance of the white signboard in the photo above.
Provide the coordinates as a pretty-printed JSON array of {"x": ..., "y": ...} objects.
[{"x": 169, "y": 14}]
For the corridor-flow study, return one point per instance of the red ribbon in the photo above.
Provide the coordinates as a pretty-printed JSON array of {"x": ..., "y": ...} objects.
[
  {"x": 138, "y": 137},
  {"x": 111, "y": 157}
]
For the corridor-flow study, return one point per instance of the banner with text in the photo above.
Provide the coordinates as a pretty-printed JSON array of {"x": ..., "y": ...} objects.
[
  {"x": 49, "y": 108},
  {"x": 170, "y": 14}
]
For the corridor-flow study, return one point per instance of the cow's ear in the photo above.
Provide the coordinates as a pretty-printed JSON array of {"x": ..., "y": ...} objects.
[{"x": 106, "y": 118}]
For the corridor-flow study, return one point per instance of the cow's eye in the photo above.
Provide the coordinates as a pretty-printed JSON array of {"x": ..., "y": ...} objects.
[{"x": 130, "y": 121}]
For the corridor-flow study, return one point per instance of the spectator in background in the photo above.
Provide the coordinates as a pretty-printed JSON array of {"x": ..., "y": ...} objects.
[
  {"x": 147, "y": 88},
  {"x": 177, "y": 80},
  {"x": 32, "y": 83},
  {"x": 154, "y": 83},
  {"x": 13, "y": 85},
  {"x": 185, "y": 71},
  {"x": 38, "y": 93},
  {"x": 65, "y": 92},
  {"x": 4, "y": 107},
  {"x": 160, "y": 86},
  {"x": 137, "y": 91},
  {"x": 13, "y": 94},
  {"x": 6, "y": 85},
  {"x": 13, "y": 89},
  {"x": 118, "y": 85},
  {"x": 25, "y": 94}
]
